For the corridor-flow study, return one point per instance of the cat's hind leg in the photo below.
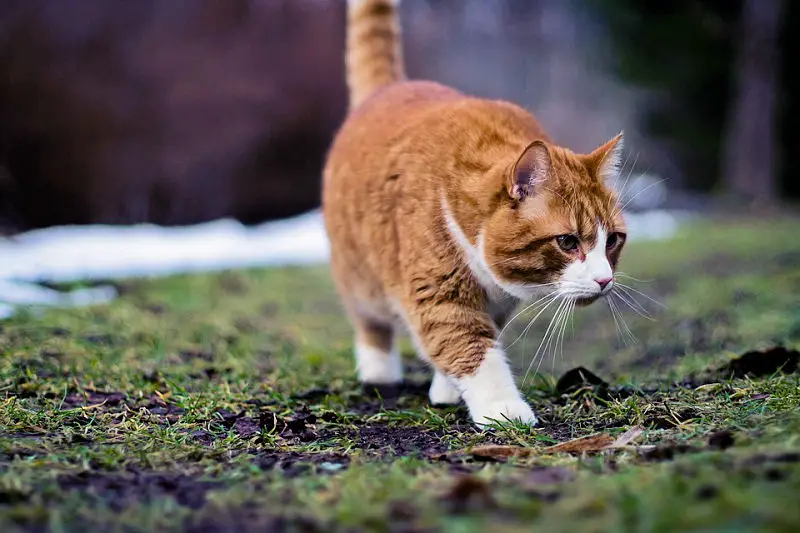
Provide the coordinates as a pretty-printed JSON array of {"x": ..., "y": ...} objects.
[{"x": 378, "y": 359}]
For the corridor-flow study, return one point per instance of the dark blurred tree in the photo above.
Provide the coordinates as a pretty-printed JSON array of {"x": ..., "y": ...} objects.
[
  {"x": 789, "y": 105},
  {"x": 701, "y": 60},
  {"x": 751, "y": 142}
]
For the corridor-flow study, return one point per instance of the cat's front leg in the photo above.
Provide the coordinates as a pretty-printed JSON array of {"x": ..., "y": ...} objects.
[
  {"x": 461, "y": 344},
  {"x": 491, "y": 393}
]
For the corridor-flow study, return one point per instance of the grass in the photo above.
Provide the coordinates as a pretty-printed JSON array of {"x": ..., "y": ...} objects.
[{"x": 228, "y": 403}]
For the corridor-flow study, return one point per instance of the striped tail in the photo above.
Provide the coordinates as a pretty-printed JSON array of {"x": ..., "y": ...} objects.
[{"x": 374, "y": 55}]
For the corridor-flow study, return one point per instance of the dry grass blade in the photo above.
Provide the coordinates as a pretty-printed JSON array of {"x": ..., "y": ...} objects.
[{"x": 628, "y": 437}]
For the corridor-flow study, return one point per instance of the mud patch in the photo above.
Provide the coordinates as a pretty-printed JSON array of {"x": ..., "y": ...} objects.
[
  {"x": 250, "y": 519},
  {"x": 668, "y": 452},
  {"x": 384, "y": 440},
  {"x": 299, "y": 426},
  {"x": 762, "y": 363},
  {"x": 375, "y": 398},
  {"x": 292, "y": 464},
  {"x": 121, "y": 490},
  {"x": 721, "y": 440},
  {"x": 111, "y": 401}
]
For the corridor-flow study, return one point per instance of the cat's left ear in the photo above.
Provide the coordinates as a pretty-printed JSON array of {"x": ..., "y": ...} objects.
[
  {"x": 530, "y": 171},
  {"x": 606, "y": 160}
]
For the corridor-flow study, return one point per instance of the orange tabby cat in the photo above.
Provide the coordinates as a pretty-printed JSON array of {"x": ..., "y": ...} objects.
[{"x": 444, "y": 211}]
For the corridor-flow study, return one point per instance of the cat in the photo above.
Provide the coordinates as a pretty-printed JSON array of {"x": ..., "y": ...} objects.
[{"x": 444, "y": 211}]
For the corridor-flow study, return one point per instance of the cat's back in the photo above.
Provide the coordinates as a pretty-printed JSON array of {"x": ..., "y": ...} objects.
[
  {"x": 414, "y": 128},
  {"x": 391, "y": 121}
]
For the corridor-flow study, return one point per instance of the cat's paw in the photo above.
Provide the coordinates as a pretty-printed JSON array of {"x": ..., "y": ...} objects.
[
  {"x": 442, "y": 391},
  {"x": 515, "y": 410},
  {"x": 377, "y": 367}
]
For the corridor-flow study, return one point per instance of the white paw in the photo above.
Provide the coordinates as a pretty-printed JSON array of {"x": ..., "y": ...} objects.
[
  {"x": 491, "y": 394},
  {"x": 442, "y": 391},
  {"x": 377, "y": 367},
  {"x": 503, "y": 411}
]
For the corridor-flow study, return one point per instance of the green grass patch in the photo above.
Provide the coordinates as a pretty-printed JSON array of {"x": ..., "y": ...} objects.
[{"x": 228, "y": 402}]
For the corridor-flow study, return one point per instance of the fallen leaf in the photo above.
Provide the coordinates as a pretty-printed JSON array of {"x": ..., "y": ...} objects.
[{"x": 592, "y": 443}]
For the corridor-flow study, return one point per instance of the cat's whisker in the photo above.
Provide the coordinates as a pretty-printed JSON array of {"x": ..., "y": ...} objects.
[
  {"x": 626, "y": 276},
  {"x": 623, "y": 291},
  {"x": 626, "y": 331},
  {"x": 536, "y": 306},
  {"x": 630, "y": 172},
  {"x": 627, "y": 336},
  {"x": 640, "y": 293},
  {"x": 634, "y": 305},
  {"x": 632, "y": 198},
  {"x": 615, "y": 185},
  {"x": 614, "y": 316},
  {"x": 552, "y": 341},
  {"x": 525, "y": 310},
  {"x": 621, "y": 191},
  {"x": 540, "y": 306},
  {"x": 621, "y": 170},
  {"x": 545, "y": 338},
  {"x": 569, "y": 319},
  {"x": 553, "y": 337},
  {"x": 530, "y": 324},
  {"x": 560, "y": 340}
]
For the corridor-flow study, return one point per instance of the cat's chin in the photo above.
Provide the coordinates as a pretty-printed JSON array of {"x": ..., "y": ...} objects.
[{"x": 583, "y": 301}]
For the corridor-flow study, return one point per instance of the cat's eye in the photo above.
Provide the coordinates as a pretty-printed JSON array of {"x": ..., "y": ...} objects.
[
  {"x": 568, "y": 243},
  {"x": 613, "y": 240}
]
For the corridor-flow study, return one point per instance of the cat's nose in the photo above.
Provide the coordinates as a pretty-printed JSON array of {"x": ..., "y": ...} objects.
[{"x": 603, "y": 282}]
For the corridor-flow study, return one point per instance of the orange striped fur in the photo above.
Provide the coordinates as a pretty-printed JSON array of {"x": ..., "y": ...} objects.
[{"x": 374, "y": 53}]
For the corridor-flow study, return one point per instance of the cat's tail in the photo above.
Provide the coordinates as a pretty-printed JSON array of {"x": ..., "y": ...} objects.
[{"x": 374, "y": 55}]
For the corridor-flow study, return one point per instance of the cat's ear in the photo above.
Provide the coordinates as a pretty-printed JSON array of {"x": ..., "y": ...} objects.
[
  {"x": 606, "y": 160},
  {"x": 530, "y": 171}
]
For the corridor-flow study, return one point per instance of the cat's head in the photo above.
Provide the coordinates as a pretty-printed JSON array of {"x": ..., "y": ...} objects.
[{"x": 560, "y": 223}]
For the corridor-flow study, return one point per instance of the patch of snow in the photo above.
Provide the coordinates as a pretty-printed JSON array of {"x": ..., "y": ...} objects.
[{"x": 86, "y": 253}]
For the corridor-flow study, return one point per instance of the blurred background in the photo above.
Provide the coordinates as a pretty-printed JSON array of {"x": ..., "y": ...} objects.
[{"x": 185, "y": 111}]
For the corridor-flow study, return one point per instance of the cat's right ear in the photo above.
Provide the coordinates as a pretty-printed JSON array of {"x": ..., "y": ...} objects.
[{"x": 530, "y": 171}]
